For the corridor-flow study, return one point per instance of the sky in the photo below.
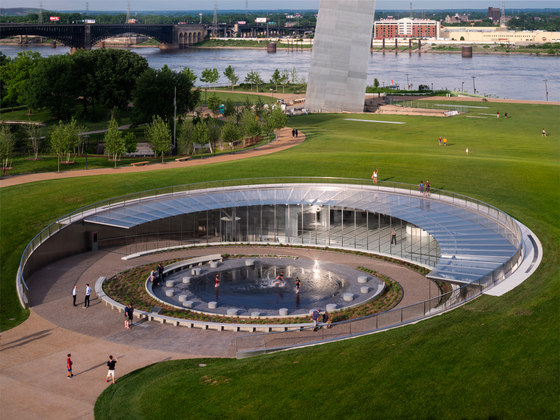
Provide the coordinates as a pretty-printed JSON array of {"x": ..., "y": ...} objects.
[{"x": 268, "y": 4}]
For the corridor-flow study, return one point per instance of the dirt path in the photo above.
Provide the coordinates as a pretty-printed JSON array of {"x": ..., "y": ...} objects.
[{"x": 284, "y": 140}]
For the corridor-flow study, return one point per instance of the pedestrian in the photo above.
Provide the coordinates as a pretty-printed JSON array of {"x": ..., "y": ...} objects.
[
  {"x": 126, "y": 309},
  {"x": 327, "y": 319},
  {"x": 421, "y": 187},
  {"x": 160, "y": 271},
  {"x": 88, "y": 293},
  {"x": 130, "y": 315},
  {"x": 74, "y": 295},
  {"x": 428, "y": 188},
  {"x": 297, "y": 132},
  {"x": 467, "y": 150},
  {"x": 445, "y": 141},
  {"x": 217, "y": 281},
  {"x": 543, "y": 132},
  {"x": 505, "y": 115},
  {"x": 279, "y": 280},
  {"x": 374, "y": 175},
  {"x": 440, "y": 140},
  {"x": 498, "y": 114},
  {"x": 111, "y": 369},
  {"x": 293, "y": 132},
  {"x": 69, "y": 366},
  {"x": 298, "y": 284},
  {"x": 393, "y": 236},
  {"x": 315, "y": 317}
]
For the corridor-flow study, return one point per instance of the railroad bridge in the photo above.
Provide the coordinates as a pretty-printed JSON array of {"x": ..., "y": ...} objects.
[{"x": 84, "y": 36}]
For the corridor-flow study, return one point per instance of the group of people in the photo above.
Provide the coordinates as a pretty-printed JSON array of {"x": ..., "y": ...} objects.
[
  {"x": 295, "y": 132},
  {"x": 156, "y": 279},
  {"x": 316, "y": 318},
  {"x": 87, "y": 295},
  {"x": 442, "y": 141},
  {"x": 425, "y": 188},
  {"x": 111, "y": 363},
  {"x": 128, "y": 316}
]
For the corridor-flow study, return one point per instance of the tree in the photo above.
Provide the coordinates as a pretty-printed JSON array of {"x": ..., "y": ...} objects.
[
  {"x": 254, "y": 78},
  {"x": 214, "y": 104},
  {"x": 214, "y": 131},
  {"x": 114, "y": 140},
  {"x": 159, "y": 136},
  {"x": 189, "y": 74},
  {"x": 200, "y": 133},
  {"x": 34, "y": 138},
  {"x": 155, "y": 93},
  {"x": 276, "y": 78},
  {"x": 259, "y": 107},
  {"x": 7, "y": 142},
  {"x": 229, "y": 108},
  {"x": 229, "y": 72},
  {"x": 294, "y": 78},
  {"x": 15, "y": 73},
  {"x": 375, "y": 83},
  {"x": 186, "y": 136},
  {"x": 52, "y": 85},
  {"x": 279, "y": 118},
  {"x": 130, "y": 142},
  {"x": 230, "y": 131},
  {"x": 249, "y": 123},
  {"x": 284, "y": 79},
  {"x": 210, "y": 76},
  {"x": 63, "y": 139}
]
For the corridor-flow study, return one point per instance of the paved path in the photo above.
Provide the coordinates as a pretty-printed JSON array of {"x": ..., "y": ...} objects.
[
  {"x": 284, "y": 140},
  {"x": 33, "y": 381}
]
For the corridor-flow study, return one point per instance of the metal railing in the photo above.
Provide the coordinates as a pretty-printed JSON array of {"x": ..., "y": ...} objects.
[{"x": 508, "y": 226}]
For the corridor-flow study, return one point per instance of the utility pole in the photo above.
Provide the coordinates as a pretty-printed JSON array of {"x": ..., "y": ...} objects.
[
  {"x": 410, "y": 10},
  {"x": 246, "y": 9},
  {"x": 215, "y": 20},
  {"x": 41, "y": 12},
  {"x": 546, "y": 88},
  {"x": 87, "y": 9},
  {"x": 128, "y": 11},
  {"x": 503, "y": 14},
  {"x": 473, "y": 86},
  {"x": 175, "y": 119},
  {"x": 407, "y": 84}
]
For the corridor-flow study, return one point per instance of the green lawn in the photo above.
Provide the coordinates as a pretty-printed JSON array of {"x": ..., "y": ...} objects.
[{"x": 492, "y": 358}]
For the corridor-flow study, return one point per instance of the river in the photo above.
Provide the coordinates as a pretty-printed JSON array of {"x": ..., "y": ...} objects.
[{"x": 500, "y": 76}]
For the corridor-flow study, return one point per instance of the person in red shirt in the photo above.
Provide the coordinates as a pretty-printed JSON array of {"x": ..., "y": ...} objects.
[{"x": 69, "y": 366}]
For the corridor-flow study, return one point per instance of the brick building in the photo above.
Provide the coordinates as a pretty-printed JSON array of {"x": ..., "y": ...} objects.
[{"x": 406, "y": 28}]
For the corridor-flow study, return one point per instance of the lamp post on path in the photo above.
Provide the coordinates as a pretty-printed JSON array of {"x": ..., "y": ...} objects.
[
  {"x": 546, "y": 88},
  {"x": 473, "y": 85}
]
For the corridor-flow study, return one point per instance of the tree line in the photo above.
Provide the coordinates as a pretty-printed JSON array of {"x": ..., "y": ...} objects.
[{"x": 81, "y": 86}]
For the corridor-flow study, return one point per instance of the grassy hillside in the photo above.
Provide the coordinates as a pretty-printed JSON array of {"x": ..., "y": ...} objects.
[{"x": 495, "y": 357}]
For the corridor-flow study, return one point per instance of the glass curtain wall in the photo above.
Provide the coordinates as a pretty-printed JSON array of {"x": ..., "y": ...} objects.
[{"x": 295, "y": 224}]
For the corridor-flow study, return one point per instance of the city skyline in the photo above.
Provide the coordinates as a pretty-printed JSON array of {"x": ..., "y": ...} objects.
[{"x": 186, "y": 5}]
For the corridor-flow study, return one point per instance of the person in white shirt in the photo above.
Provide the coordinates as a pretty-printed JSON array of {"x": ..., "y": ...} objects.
[
  {"x": 88, "y": 293},
  {"x": 74, "y": 295}
]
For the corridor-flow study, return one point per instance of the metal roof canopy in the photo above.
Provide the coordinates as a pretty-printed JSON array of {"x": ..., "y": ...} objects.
[{"x": 472, "y": 244}]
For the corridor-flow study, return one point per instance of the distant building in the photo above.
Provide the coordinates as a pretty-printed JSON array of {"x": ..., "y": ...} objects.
[
  {"x": 406, "y": 28},
  {"x": 498, "y": 35},
  {"x": 457, "y": 18},
  {"x": 494, "y": 14}
]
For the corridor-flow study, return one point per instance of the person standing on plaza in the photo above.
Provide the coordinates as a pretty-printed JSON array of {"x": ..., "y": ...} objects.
[
  {"x": 160, "y": 271},
  {"x": 421, "y": 187},
  {"x": 130, "y": 315},
  {"x": 543, "y": 132},
  {"x": 126, "y": 309},
  {"x": 298, "y": 284},
  {"x": 74, "y": 294},
  {"x": 88, "y": 293},
  {"x": 111, "y": 369},
  {"x": 428, "y": 188},
  {"x": 393, "y": 236},
  {"x": 217, "y": 281},
  {"x": 69, "y": 366}
]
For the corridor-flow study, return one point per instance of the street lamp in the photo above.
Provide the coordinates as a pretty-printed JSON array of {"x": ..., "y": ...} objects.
[
  {"x": 462, "y": 86},
  {"x": 407, "y": 84},
  {"x": 473, "y": 85},
  {"x": 546, "y": 88}
]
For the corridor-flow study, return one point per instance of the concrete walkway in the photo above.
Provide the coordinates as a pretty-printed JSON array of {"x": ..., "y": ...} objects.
[{"x": 33, "y": 381}]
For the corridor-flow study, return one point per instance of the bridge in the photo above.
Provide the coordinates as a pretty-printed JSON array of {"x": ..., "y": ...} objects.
[{"x": 85, "y": 36}]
